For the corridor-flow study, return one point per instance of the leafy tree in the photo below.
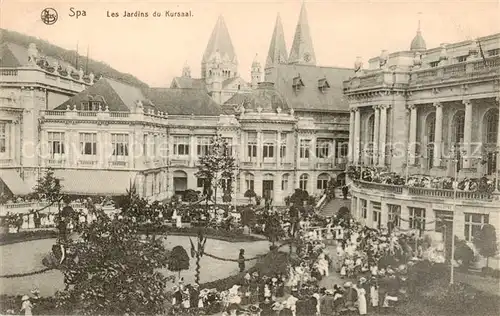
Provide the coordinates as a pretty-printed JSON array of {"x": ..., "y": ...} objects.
[
  {"x": 190, "y": 195},
  {"x": 343, "y": 213},
  {"x": 463, "y": 253},
  {"x": 112, "y": 269},
  {"x": 217, "y": 166},
  {"x": 273, "y": 229},
  {"x": 179, "y": 260},
  {"x": 486, "y": 241},
  {"x": 298, "y": 197},
  {"x": 250, "y": 194},
  {"x": 48, "y": 187}
]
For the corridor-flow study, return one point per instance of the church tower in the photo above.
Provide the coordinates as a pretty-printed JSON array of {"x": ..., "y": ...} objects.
[
  {"x": 186, "y": 71},
  {"x": 219, "y": 60},
  {"x": 302, "y": 51},
  {"x": 256, "y": 72},
  {"x": 277, "y": 49}
]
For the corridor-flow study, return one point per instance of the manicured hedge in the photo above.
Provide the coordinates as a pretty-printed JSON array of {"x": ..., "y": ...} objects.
[
  {"x": 211, "y": 233},
  {"x": 23, "y": 236}
]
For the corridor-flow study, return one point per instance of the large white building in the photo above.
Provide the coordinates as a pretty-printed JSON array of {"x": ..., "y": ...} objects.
[
  {"x": 288, "y": 130},
  {"x": 431, "y": 112}
]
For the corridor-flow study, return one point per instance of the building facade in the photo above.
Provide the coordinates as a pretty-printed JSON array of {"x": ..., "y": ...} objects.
[
  {"x": 431, "y": 112},
  {"x": 287, "y": 130}
]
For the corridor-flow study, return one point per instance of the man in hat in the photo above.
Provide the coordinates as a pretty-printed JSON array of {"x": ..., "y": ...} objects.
[{"x": 241, "y": 260}]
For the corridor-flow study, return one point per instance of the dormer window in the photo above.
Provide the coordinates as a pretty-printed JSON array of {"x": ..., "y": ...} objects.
[
  {"x": 297, "y": 84},
  {"x": 323, "y": 85},
  {"x": 96, "y": 105},
  {"x": 434, "y": 64},
  {"x": 462, "y": 59},
  {"x": 494, "y": 52},
  {"x": 85, "y": 106}
]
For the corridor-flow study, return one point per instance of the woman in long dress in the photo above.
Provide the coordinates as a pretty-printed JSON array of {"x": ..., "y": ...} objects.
[{"x": 361, "y": 300}]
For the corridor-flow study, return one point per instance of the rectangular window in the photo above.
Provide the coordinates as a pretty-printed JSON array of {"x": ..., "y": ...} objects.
[
  {"x": 323, "y": 147},
  {"x": 284, "y": 137},
  {"x": 268, "y": 150},
  {"x": 364, "y": 208},
  {"x": 56, "y": 144},
  {"x": 322, "y": 184},
  {"x": 417, "y": 218},
  {"x": 3, "y": 138},
  {"x": 249, "y": 183},
  {"x": 473, "y": 224},
  {"x": 181, "y": 145},
  {"x": 119, "y": 143},
  {"x": 203, "y": 145},
  {"x": 461, "y": 59},
  {"x": 377, "y": 214},
  {"x": 394, "y": 215},
  {"x": 155, "y": 145},
  {"x": 342, "y": 148},
  {"x": 88, "y": 144},
  {"x": 305, "y": 145},
  {"x": 434, "y": 64},
  {"x": 252, "y": 145}
]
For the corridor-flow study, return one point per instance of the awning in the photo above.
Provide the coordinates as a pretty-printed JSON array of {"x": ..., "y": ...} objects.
[
  {"x": 95, "y": 182},
  {"x": 13, "y": 181}
]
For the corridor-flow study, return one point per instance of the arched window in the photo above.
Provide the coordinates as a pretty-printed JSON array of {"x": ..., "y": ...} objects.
[
  {"x": 491, "y": 124},
  {"x": 371, "y": 129},
  {"x": 249, "y": 181},
  {"x": 322, "y": 182},
  {"x": 303, "y": 181},
  {"x": 284, "y": 182},
  {"x": 458, "y": 127}
]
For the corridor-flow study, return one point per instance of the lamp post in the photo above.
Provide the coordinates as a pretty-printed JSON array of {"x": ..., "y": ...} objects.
[{"x": 407, "y": 167}]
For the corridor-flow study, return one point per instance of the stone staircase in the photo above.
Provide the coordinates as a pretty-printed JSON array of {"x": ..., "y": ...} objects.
[{"x": 331, "y": 208}]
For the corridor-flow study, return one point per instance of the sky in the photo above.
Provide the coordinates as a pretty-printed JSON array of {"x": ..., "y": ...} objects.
[{"x": 154, "y": 49}]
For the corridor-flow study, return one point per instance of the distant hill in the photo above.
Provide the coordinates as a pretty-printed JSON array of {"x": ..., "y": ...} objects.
[{"x": 48, "y": 49}]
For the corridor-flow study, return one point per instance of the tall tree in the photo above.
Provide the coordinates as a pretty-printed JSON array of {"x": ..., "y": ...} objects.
[
  {"x": 486, "y": 241},
  {"x": 217, "y": 167},
  {"x": 112, "y": 269},
  {"x": 48, "y": 187},
  {"x": 273, "y": 229}
]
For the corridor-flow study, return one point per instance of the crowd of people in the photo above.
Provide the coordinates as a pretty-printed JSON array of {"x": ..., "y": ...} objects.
[
  {"x": 370, "y": 174},
  {"x": 372, "y": 268}
]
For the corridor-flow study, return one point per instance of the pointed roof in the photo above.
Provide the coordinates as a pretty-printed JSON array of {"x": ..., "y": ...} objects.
[
  {"x": 418, "y": 42},
  {"x": 256, "y": 62},
  {"x": 277, "y": 49},
  {"x": 220, "y": 41},
  {"x": 302, "y": 48}
]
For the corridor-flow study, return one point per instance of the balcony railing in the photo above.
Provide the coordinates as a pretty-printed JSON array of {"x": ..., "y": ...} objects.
[
  {"x": 324, "y": 165},
  {"x": 87, "y": 163},
  {"x": 5, "y": 161},
  {"x": 179, "y": 162},
  {"x": 55, "y": 162},
  {"x": 118, "y": 164},
  {"x": 424, "y": 192}
]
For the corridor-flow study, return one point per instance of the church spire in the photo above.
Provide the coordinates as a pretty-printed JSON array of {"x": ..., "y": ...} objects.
[
  {"x": 302, "y": 48},
  {"x": 220, "y": 41},
  {"x": 277, "y": 49}
]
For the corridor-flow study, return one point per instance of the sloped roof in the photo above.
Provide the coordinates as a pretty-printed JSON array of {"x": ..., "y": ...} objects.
[
  {"x": 11, "y": 55},
  {"x": 117, "y": 96},
  {"x": 183, "y": 101},
  {"x": 277, "y": 53},
  {"x": 220, "y": 41},
  {"x": 310, "y": 97},
  {"x": 302, "y": 50},
  {"x": 265, "y": 97},
  {"x": 229, "y": 81},
  {"x": 187, "y": 83},
  {"x": 418, "y": 42}
]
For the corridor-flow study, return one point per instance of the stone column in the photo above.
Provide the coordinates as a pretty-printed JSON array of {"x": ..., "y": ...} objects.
[
  {"x": 438, "y": 135},
  {"x": 382, "y": 135},
  {"x": 405, "y": 216},
  {"x": 334, "y": 152},
  {"x": 357, "y": 135},
  {"x": 413, "y": 134},
  {"x": 498, "y": 152},
  {"x": 351, "y": 136},
  {"x": 259, "y": 151},
  {"x": 376, "y": 131},
  {"x": 384, "y": 214},
  {"x": 278, "y": 149},
  {"x": 312, "y": 153},
  {"x": 242, "y": 144},
  {"x": 467, "y": 133},
  {"x": 131, "y": 150},
  {"x": 192, "y": 150}
]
